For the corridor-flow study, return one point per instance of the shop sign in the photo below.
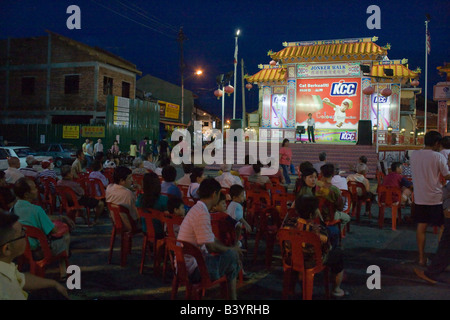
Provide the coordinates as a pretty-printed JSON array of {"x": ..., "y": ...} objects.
[{"x": 71, "y": 132}]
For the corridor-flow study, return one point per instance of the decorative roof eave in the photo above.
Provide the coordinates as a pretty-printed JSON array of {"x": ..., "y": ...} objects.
[{"x": 269, "y": 75}]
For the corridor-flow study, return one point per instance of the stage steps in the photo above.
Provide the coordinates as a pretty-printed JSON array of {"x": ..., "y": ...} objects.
[{"x": 343, "y": 155}]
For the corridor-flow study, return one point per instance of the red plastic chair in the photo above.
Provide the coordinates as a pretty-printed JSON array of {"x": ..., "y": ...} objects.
[
  {"x": 389, "y": 197},
  {"x": 84, "y": 183},
  {"x": 49, "y": 200},
  {"x": 75, "y": 209},
  {"x": 358, "y": 201},
  {"x": 282, "y": 201},
  {"x": 170, "y": 222},
  {"x": 37, "y": 267},
  {"x": 138, "y": 182},
  {"x": 348, "y": 199},
  {"x": 109, "y": 174},
  {"x": 328, "y": 210},
  {"x": 256, "y": 200},
  {"x": 96, "y": 189},
  {"x": 194, "y": 291},
  {"x": 380, "y": 177},
  {"x": 291, "y": 243},
  {"x": 150, "y": 241},
  {"x": 184, "y": 190},
  {"x": 267, "y": 224},
  {"x": 190, "y": 202},
  {"x": 124, "y": 225}
]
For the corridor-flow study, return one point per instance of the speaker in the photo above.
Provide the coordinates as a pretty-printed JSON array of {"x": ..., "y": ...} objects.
[
  {"x": 236, "y": 124},
  {"x": 364, "y": 132},
  {"x": 300, "y": 129}
]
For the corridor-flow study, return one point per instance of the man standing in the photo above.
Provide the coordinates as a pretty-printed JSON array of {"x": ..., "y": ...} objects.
[
  {"x": 196, "y": 229},
  {"x": 311, "y": 126},
  {"x": 98, "y": 149},
  {"x": 426, "y": 167},
  {"x": 144, "y": 147}
]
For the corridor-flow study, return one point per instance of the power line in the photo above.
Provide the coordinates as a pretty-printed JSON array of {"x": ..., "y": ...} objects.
[
  {"x": 150, "y": 18},
  {"x": 142, "y": 24}
]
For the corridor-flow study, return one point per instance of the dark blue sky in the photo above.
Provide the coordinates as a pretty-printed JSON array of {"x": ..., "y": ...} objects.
[{"x": 150, "y": 40}]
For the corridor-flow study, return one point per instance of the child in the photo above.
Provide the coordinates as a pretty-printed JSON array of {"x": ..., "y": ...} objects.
[
  {"x": 221, "y": 206},
  {"x": 176, "y": 207},
  {"x": 196, "y": 178},
  {"x": 235, "y": 209}
]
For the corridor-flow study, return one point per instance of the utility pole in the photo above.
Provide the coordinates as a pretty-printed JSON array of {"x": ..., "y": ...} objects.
[
  {"x": 244, "y": 119},
  {"x": 180, "y": 39}
]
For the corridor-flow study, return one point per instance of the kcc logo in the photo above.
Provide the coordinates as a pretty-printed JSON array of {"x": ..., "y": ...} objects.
[{"x": 343, "y": 88}]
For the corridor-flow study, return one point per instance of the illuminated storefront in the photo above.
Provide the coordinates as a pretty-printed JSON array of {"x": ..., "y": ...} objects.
[{"x": 325, "y": 78}]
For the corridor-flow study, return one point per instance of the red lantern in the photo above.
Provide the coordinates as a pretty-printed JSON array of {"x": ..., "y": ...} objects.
[
  {"x": 386, "y": 92},
  {"x": 414, "y": 83},
  {"x": 229, "y": 89},
  {"x": 249, "y": 86},
  {"x": 369, "y": 91},
  {"x": 273, "y": 63},
  {"x": 218, "y": 93}
]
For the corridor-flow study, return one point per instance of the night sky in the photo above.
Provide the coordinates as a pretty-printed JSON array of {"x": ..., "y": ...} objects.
[{"x": 145, "y": 32}]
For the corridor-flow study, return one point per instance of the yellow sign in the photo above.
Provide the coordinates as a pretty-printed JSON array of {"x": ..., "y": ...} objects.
[
  {"x": 93, "y": 132},
  {"x": 172, "y": 111},
  {"x": 71, "y": 132}
]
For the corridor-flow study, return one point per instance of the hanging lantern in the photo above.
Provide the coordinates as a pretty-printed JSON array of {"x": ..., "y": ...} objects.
[
  {"x": 369, "y": 90},
  {"x": 249, "y": 86},
  {"x": 273, "y": 63},
  {"x": 414, "y": 83},
  {"x": 229, "y": 89},
  {"x": 386, "y": 92},
  {"x": 218, "y": 93}
]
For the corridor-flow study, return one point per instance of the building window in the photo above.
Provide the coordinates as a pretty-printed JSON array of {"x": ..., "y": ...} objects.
[
  {"x": 125, "y": 89},
  {"x": 72, "y": 84},
  {"x": 206, "y": 124},
  {"x": 28, "y": 86},
  {"x": 107, "y": 86}
]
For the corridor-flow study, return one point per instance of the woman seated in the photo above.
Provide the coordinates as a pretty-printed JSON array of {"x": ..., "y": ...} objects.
[{"x": 308, "y": 219}]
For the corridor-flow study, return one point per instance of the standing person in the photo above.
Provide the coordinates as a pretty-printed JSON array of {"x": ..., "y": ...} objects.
[
  {"x": 98, "y": 150},
  {"x": 286, "y": 160},
  {"x": 144, "y": 147},
  {"x": 115, "y": 151},
  {"x": 445, "y": 143},
  {"x": 196, "y": 229},
  {"x": 311, "y": 126},
  {"x": 163, "y": 149},
  {"x": 426, "y": 167},
  {"x": 84, "y": 146},
  {"x": 133, "y": 150},
  {"x": 89, "y": 153}
]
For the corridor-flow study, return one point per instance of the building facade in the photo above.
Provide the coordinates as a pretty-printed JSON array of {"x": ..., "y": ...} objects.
[{"x": 54, "y": 79}]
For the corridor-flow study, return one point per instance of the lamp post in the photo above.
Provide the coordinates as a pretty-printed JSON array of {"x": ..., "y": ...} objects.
[
  {"x": 235, "y": 67},
  {"x": 221, "y": 80}
]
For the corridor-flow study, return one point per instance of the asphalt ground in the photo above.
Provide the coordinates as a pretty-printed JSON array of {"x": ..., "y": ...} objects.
[{"x": 394, "y": 252}]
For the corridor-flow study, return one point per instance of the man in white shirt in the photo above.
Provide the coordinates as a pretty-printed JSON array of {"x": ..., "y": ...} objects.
[
  {"x": 226, "y": 179},
  {"x": 311, "y": 126},
  {"x": 427, "y": 165},
  {"x": 196, "y": 229},
  {"x": 29, "y": 170},
  {"x": 12, "y": 174},
  {"x": 98, "y": 148}
]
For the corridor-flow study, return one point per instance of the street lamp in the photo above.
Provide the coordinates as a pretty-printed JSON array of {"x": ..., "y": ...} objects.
[
  {"x": 235, "y": 67},
  {"x": 196, "y": 73}
]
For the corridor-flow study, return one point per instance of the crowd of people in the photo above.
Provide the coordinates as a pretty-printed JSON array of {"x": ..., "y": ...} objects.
[{"x": 317, "y": 184}]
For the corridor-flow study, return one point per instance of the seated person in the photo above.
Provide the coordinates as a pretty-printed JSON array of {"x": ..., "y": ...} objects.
[
  {"x": 175, "y": 206},
  {"x": 148, "y": 162},
  {"x": 109, "y": 163},
  {"x": 33, "y": 215},
  {"x": 30, "y": 171},
  {"x": 235, "y": 209},
  {"x": 90, "y": 203},
  {"x": 77, "y": 165},
  {"x": 257, "y": 177},
  {"x": 186, "y": 179},
  {"x": 247, "y": 169},
  {"x": 395, "y": 179},
  {"x": 120, "y": 193},
  {"x": 138, "y": 167},
  {"x": 360, "y": 176},
  {"x": 227, "y": 179},
  {"x": 96, "y": 173},
  {"x": 196, "y": 178},
  {"x": 7, "y": 197},
  {"x": 15, "y": 285},
  {"x": 307, "y": 213},
  {"x": 221, "y": 206},
  {"x": 12, "y": 174},
  {"x": 196, "y": 229},
  {"x": 168, "y": 186}
]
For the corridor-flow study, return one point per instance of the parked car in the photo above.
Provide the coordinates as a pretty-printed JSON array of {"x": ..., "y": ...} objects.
[
  {"x": 62, "y": 153},
  {"x": 22, "y": 153},
  {"x": 3, "y": 159}
]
